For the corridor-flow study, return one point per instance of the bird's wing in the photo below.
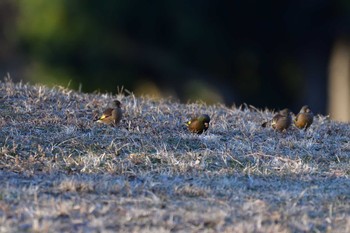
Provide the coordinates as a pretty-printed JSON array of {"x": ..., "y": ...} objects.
[
  {"x": 107, "y": 113},
  {"x": 276, "y": 118},
  {"x": 190, "y": 121}
]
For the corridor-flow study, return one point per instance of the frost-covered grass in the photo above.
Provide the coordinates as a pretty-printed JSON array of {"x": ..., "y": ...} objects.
[{"x": 61, "y": 171}]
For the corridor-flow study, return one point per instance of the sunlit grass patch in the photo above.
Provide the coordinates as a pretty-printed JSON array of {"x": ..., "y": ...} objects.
[{"x": 60, "y": 170}]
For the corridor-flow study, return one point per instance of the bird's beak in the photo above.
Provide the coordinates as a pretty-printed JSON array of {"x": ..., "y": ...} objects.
[
  {"x": 188, "y": 123},
  {"x": 206, "y": 125}
]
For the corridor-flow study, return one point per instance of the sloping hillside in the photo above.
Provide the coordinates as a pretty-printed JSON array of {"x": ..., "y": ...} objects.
[{"x": 61, "y": 171}]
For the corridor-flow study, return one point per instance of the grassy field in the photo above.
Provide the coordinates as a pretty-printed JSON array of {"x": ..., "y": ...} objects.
[{"x": 62, "y": 172}]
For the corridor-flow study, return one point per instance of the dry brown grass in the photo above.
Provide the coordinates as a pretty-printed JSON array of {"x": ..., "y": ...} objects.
[{"x": 61, "y": 171}]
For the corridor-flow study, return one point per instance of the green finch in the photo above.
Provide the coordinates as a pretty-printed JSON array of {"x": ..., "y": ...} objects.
[
  {"x": 198, "y": 124},
  {"x": 281, "y": 121},
  {"x": 112, "y": 116},
  {"x": 304, "y": 118}
]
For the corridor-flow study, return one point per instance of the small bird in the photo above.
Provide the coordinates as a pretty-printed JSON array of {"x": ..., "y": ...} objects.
[
  {"x": 281, "y": 121},
  {"x": 199, "y": 124},
  {"x": 304, "y": 118},
  {"x": 112, "y": 116}
]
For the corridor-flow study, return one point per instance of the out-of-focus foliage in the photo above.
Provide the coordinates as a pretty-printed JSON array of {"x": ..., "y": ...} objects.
[
  {"x": 263, "y": 53},
  {"x": 105, "y": 44}
]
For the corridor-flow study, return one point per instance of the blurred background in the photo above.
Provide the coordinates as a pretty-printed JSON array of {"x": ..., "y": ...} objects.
[{"x": 271, "y": 54}]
